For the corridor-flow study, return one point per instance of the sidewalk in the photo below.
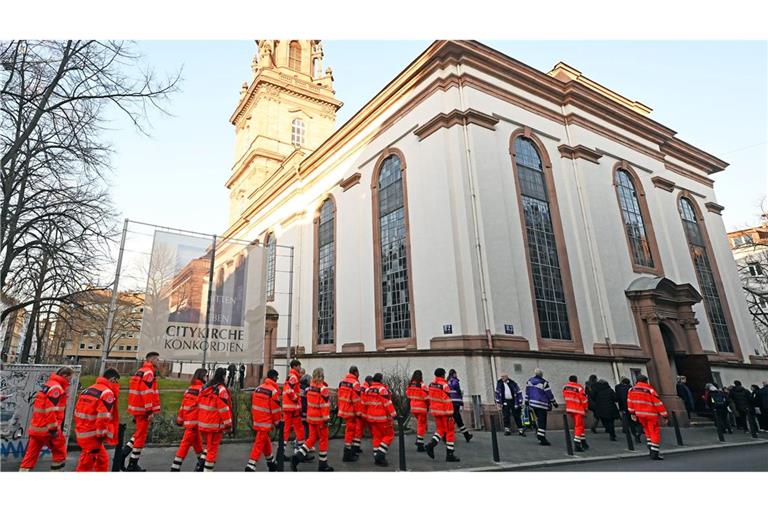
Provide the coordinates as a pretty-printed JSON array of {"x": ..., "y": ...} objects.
[{"x": 515, "y": 452}]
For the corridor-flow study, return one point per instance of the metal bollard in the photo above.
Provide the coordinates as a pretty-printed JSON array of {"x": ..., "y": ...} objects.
[
  {"x": 718, "y": 427},
  {"x": 280, "y": 459},
  {"x": 494, "y": 439},
  {"x": 752, "y": 422},
  {"x": 119, "y": 448},
  {"x": 676, "y": 425},
  {"x": 568, "y": 440},
  {"x": 625, "y": 422},
  {"x": 401, "y": 442}
]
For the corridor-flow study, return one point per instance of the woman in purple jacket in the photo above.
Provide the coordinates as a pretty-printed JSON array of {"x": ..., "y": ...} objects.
[{"x": 457, "y": 398}]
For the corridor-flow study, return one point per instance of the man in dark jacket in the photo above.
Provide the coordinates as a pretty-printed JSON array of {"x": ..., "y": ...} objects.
[
  {"x": 510, "y": 398},
  {"x": 604, "y": 399},
  {"x": 684, "y": 392},
  {"x": 762, "y": 396},
  {"x": 457, "y": 399},
  {"x": 717, "y": 401},
  {"x": 742, "y": 400},
  {"x": 589, "y": 386},
  {"x": 622, "y": 389}
]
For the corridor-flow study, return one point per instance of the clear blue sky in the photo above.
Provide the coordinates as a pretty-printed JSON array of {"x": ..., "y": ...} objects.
[{"x": 712, "y": 93}]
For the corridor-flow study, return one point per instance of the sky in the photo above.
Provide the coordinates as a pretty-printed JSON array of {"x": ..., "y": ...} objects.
[{"x": 713, "y": 94}]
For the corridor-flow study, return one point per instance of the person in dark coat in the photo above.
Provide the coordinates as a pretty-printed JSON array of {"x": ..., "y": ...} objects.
[
  {"x": 742, "y": 401},
  {"x": 684, "y": 392},
  {"x": 718, "y": 403},
  {"x": 231, "y": 369},
  {"x": 510, "y": 397},
  {"x": 457, "y": 398},
  {"x": 762, "y": 395},
  {"x": 604, "y": 399},
  {"x": 622, "y": 390},
  {"x": 241, "y": 376},
  {"x": 588, "y": 387}
]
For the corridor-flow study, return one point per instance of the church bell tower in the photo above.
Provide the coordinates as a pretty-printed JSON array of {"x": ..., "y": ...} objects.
[{"x": 286, "y": 111}]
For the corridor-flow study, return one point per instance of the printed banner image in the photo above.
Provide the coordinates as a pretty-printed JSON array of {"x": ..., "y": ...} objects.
[{"x": 176, "y": 301}]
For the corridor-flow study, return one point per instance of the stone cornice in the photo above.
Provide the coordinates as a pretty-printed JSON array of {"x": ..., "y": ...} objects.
[
  {"x": 663, "y": 183},
  {"x": 579, "y": 151},
  {"x": 714, "y": 207},
  {"x": 454, "y": 117},
  {"x": 350, "y": 182}
]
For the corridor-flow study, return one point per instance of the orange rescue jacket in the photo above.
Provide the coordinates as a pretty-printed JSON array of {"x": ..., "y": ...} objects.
[
  {"x": 378, "y": 404},
  {"x": 143, "y": 396},
  {"x": 214, "y": 411},
  {"x": 418, "y": 396},
  {"x": 292, "y": 392},
  {"x": 439, "y": 398},
  {"x": 96, "y": 414},
  {"x": 265, "y": 405},
  {"x": 348, "y": 395},
  {"x": 318, "y": 402},
  {"x": 642, "y": 400},
  {"x": 49, "y": 407},
  {"x": 575, "y": 398},
  {"x": 187, "y": 415}
]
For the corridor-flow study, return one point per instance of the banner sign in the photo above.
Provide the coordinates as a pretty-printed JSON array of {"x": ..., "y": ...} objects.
[
  {"x": 19, "y": 384},
  {"x": 176, "y": 300}
]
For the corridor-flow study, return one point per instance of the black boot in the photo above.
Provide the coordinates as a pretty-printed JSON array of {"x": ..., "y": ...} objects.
[
  {"x": 450, "y": 456},
  {"x": 544, "y": 441},
  {"x": 613, "y": 437},
  {"x": 271, "y": 466},
  {"x": 133, "y": 466},
  {"x": 420, "y": 447},
  {"x": 380, "y": 459},
  {"x": 584, "y": 444},
  {"x": 467, "y": 435},
  {"x": 308, "y": 457},
  {"x": 655, "y": 455},
  {"x": 297, "y": 459},
  {"x": 250, "y": 469},
  {"x": 349, "y": 455},
  {"x": 577, "y": 447},
  {"x": 521, "y": 432},
  {"x": 200, "y": 465},
  {"x": 125, "y": 452},
  {"x": 430, "y": 449},
  {"x": 507, "y": 432},
  {"x": 323, "y": 466}
]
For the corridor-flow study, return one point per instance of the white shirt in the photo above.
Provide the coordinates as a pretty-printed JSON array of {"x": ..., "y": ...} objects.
[{"x": 507, "y": 391}]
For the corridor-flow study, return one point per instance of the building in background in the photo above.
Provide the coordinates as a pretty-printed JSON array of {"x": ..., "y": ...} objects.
[
  {"x": 12, "y": 332},
  {"x": 483, "y": 215},
  {"x": 80, "y": 327},
  {"x": 750, "y": 250}
]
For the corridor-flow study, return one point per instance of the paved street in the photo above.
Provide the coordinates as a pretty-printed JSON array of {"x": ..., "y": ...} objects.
[
  {"x": 515, "y": 453},
  {"x": 739, "y": 458}
]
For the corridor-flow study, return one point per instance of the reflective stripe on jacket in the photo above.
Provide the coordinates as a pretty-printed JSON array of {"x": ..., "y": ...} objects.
[
  {"x": 96, "y": 414},
  {"x": 143, "y": 396},
  {"x": 214, "y": 412},
  {"x": 187, "y": 415},
  {"x": 377, "y": 403},
  {"x": 318, "y": 402},
  {"x": 440, "y": 403},
  {"x": 642, "y": 400},
  {"x": 538, "y": 394},
  {"x": 575, "y": 398},
  {"x": 348, "y": 396},
  {"x": 292, "y": 392},
  {"x": 418, "y": 397},
  {"x": 265, "y": 405},
  {"x": 49, "y": 407}
]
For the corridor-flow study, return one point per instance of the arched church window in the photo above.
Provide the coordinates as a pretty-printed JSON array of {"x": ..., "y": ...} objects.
[
  {"x": 634, "y": 223},
  {"x": 271, "y": 246},
  {"x": 700, "y": 255},
  {"x": 326, "y": 273},
  {"x": 298, "y": 132},
  {"x": 294, "y": 56}
]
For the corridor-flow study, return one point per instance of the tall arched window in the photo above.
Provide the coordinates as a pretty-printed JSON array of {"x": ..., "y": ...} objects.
[
  {"x": 551, "y": 297},
  {"x": 271, "y": 246},
  {"x": 297, "y": 132},
  {"x": 294, "y": 56},
  {"x": 637, "y": 227},
  {"x": 700, "y": 255},
  {"x": 393, "y": 287},
  {"x": 325, "y": 274}
]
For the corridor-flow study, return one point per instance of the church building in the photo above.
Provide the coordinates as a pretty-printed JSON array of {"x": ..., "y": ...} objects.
[{"x": 482, "y": 215}]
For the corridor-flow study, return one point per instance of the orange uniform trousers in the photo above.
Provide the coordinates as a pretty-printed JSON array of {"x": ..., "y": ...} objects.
[
  {"x": 212, "y": 442},
  {"x": 139, "y": 437},
  {"x": 382, "y": 432},
  {"x": 292, "y": 421},
  {"x": 261, "y": 445},
  {"x": 651, "y": 428},
  {"x": 318, "y": 433},
  {"x": 445, "y": 426},
  {"x": 578, "y": 425},
  {"x": 421, "y": 424},
  {"x": 93, "y": 456},
  {"x": 353, "y": 429},
  {"x": 58, "y": 445},
  {"x": 190, "y": 439}
]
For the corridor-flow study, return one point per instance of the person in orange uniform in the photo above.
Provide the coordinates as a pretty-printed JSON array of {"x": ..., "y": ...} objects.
[
  {"x": 441, "y": 408},
  {"x": 349, "y": 408},
  {"x": 187, "y": 417},
  {"x": 418, "y": 397},
  {"x": 362, "y": 422},
  {"x": 265, "y": 412},
  {"x": 318, "y": 414},
  {"x": 379, "y": 413},
  {"x": 645, "y": 407},
  {"x": 576, "y": 406},
  {"x": 214, "y": 415},
  {"x": 143, "y": 402},
  {"x": 292, "y": 406},
  {"x": 96, "y": 421},
  {"x": 45, "y": 427}
]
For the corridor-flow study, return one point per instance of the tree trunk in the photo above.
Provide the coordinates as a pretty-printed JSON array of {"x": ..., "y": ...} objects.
[{"x": 35, "y": 311}]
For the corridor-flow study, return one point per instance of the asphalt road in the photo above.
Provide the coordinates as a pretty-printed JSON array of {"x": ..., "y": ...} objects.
[{"x": 740, "y": 458}]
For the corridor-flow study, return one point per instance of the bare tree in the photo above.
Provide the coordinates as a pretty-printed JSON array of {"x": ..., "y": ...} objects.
[{"x": 56, "y": 219}]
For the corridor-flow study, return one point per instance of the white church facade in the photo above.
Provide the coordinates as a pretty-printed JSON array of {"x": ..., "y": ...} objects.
[{"x": 482, "y": 215}]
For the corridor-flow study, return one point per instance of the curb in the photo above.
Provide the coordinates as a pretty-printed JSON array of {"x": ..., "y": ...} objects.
[{"x": 619, "y": 456}]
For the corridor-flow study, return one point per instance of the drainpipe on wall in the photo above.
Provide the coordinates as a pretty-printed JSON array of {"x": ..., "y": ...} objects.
[
  {"x": 589, "y": 237},
  {"x": 476, "y": 225}
]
